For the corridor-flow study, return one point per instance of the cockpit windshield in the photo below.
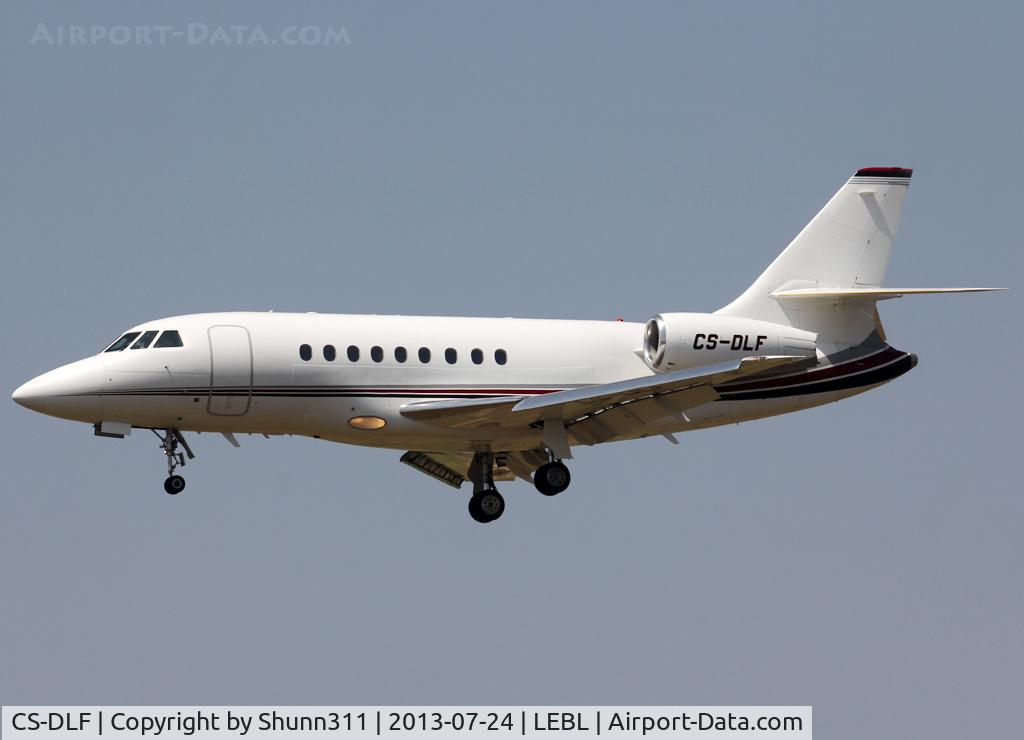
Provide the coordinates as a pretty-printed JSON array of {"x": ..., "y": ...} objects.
[
  {"x": 145, "y": 340},
  {"x": 169, "y": 338},
  {"x": 123, "y": 342}
]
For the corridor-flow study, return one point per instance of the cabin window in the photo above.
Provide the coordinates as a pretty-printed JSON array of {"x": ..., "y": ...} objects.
[
  {"x": 353, "y": 353},
  {"x": 376, "y": 354},
  {"x": 400, "y": 354},
  {"x": 169, "y": 339},
  {"x": 500, "y": 356},
  {"x": 146, "y": 339},
  {"x": 477, "y": 356},
  {"x": 123, "y": 342},
  {"x": 424, "y": 354},
  {"x": 329, "y": 352},
  {"x": 451, "y": 356},
  {"x": 306, "y": 352}
]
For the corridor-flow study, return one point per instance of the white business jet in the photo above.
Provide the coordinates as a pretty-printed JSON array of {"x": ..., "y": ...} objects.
[{"x": 484, "y": 399}]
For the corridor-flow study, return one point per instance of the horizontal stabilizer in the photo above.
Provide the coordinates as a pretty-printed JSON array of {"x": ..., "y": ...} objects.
[
  {"x": 847, "y": 245},
  {"x": 869, "y": 294}
]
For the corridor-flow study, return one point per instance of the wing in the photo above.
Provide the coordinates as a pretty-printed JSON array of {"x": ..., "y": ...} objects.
[
  {"x": 596, "y": 413},
  {"x": 461, "y": 413}
]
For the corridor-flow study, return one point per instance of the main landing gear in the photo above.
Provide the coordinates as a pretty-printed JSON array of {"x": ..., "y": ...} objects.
[
  {"x": 486, "y": 504},
  {"x": 169, "y": 442},
  {"x": 552, "y": 478}
]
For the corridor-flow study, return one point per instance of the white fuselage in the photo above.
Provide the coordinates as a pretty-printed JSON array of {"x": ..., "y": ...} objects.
[
  {"x": 247, "y": 373},
  {"x": 479, "y": 400}
]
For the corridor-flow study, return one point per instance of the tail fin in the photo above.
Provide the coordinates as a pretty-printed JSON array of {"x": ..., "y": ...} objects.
[{"x": 847, "y": 245}]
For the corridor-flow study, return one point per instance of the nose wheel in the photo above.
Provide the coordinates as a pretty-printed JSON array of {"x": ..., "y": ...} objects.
[
  {"x": 174, "y": 484},
  {"x": 170, "y": 441}
]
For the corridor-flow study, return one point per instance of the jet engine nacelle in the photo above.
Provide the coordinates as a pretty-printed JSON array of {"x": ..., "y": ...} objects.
[{"x": 673, "y": 341}]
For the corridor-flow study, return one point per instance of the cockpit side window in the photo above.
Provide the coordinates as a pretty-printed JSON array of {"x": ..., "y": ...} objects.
[
  {"x": 169, "y": 338},
  {"x": 146, "y": 339},
  {"x": 123, "y": 342}
]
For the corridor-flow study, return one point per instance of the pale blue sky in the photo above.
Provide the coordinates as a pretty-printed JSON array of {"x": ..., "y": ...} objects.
[{"x": 576, "y": 160}]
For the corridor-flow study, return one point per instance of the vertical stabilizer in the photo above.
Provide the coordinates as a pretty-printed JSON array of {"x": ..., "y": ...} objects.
[{"x": 847, "y": 245}]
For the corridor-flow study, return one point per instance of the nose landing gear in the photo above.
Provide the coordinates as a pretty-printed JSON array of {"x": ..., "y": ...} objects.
[
  {"x": 169, "y": 442},
  {"x": 174, "y": 484}
]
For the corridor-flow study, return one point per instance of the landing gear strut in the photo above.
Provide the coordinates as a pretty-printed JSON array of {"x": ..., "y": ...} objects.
[
  {"x": 552, "y": 478},
  {"x": 486, "y": 504},
  {"x": 169, "y": 442}
]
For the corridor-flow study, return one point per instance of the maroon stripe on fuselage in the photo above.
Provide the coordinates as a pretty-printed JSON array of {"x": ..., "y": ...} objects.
[{"x": 857, "y": 365}]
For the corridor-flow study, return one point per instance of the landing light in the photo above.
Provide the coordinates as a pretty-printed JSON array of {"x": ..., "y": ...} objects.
[{"x": 367, "y": 422}]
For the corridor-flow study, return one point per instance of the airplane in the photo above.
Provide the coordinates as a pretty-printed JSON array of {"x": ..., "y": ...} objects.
[{"x": 489, "y": 399}]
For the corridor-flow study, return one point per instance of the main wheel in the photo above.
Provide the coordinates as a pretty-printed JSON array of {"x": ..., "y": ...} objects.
[
  {"x": 487, "y": 506},
  {"x": 552, "y": 478},
  {"x": 174, "y": 485}
]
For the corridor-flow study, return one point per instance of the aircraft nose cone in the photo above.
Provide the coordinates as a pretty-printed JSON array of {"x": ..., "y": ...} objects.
[
  {"x": 23, "y": 394},
  {"x": 69, "y": 392}
]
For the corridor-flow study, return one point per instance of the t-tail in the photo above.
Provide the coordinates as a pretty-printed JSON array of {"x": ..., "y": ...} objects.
[{"x": 829, "y": 278}]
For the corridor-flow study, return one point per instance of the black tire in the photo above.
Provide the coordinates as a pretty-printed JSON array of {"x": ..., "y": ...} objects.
[
  {"x": 174, "y": 485},
  {"x": 475, "y": 512},
  {"x": 552, "y": 478},
  {"x": 487, "y": 506}
]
